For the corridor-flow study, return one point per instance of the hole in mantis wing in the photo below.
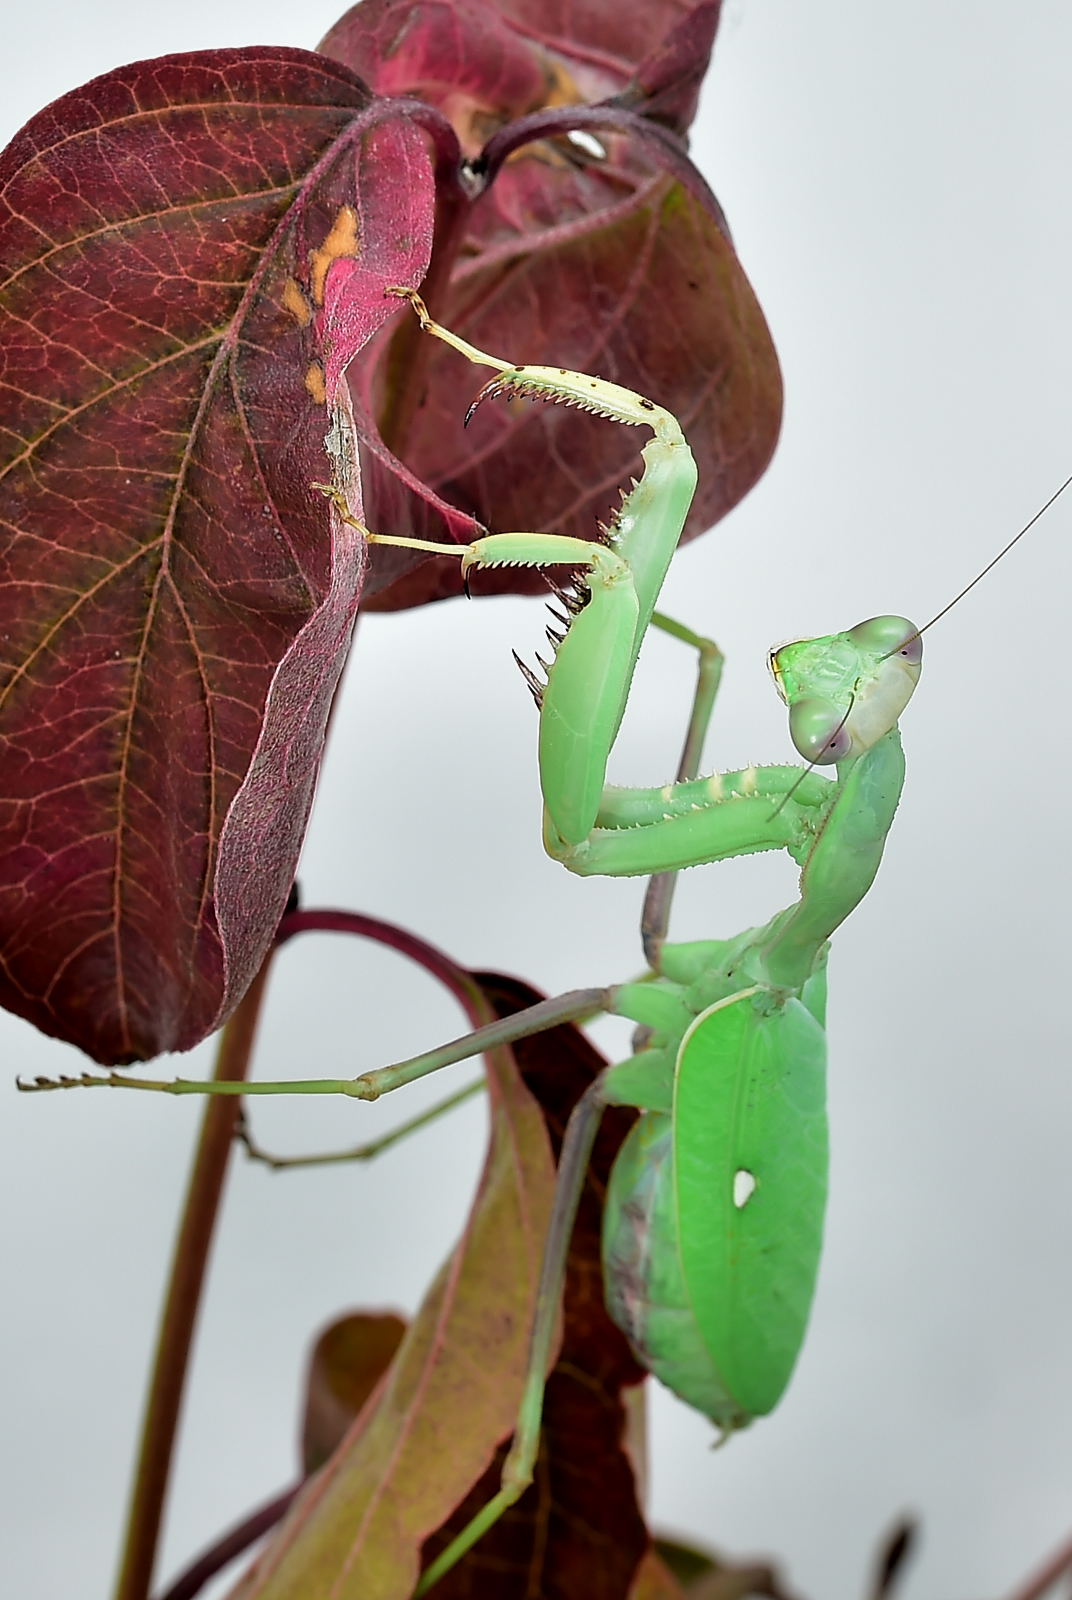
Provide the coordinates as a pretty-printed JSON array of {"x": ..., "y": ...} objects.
[
  {"x": 588, "y": 143},
  {"x": 744, "y": 1187}
]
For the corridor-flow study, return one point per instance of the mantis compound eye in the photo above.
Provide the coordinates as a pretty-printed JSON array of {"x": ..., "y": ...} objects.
[
  {"x": 818, "y": 731},
  {"x": 888, "y": 636},
  {"x": 912, "y": 649}
]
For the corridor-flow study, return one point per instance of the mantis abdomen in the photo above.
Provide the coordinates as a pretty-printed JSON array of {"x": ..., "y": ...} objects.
[{"x": 713, "y": 1221}]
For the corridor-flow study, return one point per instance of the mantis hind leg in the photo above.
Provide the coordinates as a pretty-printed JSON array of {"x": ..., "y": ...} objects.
[
  {"x": 520, "y": 1464},
  {"x": 655, "y": 917},
  {"x": 360, "y": 1152},
  {"x": 576, "y": 1005}
]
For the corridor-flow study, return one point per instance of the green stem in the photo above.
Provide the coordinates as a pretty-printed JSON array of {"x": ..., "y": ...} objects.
[{"x": 182, "y": 1301}]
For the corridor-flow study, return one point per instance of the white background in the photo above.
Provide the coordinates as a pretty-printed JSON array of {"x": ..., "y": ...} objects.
[{"x": 896, "y": 177}]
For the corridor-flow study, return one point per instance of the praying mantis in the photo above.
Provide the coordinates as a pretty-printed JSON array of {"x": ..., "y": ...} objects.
[
  {"x": 714, "y": 1215},
  {"x": 927, "y": 368}
]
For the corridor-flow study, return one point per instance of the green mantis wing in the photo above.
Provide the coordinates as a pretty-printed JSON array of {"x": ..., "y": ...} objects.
[{"x": 713, "y": 1224}]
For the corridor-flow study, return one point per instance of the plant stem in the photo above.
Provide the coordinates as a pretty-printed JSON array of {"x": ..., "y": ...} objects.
[
  {"x": 229, "y": 1546},
  {"x": 1041, "y": 1582},
  {"x": 459, "y": 980},
  {"x": 182, "y": 1302}
]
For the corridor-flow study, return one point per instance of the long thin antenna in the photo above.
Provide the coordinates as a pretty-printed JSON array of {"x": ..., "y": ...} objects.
[{"x": 992, "y": 564}]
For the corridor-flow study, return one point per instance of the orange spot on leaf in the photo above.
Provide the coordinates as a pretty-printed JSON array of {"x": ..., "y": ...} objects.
[
  {"x": 314, "y": 382},
  {"x": 296, "y": 303},
  {"x": 341, "y": 241}
]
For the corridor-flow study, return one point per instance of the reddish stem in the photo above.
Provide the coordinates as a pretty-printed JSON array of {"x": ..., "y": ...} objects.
[
  {"x": 1042, "y": 1581},
  {"x": 229, "y": 1546},
  {"x": 458, "y": 980},
  {"x": 194, "y": 1241},
  {"x": 182, "y": 1302}
]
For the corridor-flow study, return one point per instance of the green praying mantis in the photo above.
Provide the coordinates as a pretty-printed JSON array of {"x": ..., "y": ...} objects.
[{"x": 714, "y": 1214}]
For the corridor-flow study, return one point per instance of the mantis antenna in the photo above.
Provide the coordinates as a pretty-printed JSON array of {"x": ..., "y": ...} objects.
[
  {"x": 1002, "y": 553},
  {"x": 826, "y": 753}
]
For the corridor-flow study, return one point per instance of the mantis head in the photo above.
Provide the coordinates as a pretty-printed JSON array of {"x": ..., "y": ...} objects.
[{"x": 847, "y": 691}]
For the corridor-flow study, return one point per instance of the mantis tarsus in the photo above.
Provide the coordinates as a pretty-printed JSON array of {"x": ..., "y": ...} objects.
[{"x": 714, "y": 1215}]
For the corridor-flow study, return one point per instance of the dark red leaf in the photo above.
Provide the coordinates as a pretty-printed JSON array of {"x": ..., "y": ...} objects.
[
  {"x": 428, "y": 1436},
  {"x": 355, "y": 1531},
  {"x": 487, "y": 62},
  {"x": 193, "y": 254},
  {"x": 621, "y": 266},
  {"x": 577, "y": 1533},
  {"x": 654, "y": 298},
  {"x": 666, "y": 83},
  {"x": 348, "y": 1361},
  {"x": 176, "y": 241}
]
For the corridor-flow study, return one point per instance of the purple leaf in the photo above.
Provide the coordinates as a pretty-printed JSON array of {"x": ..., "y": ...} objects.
[{"x": 177, "y": 600}]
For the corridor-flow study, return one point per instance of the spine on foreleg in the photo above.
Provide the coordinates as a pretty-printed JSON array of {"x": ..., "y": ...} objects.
[{"x": 584, "y": 700}]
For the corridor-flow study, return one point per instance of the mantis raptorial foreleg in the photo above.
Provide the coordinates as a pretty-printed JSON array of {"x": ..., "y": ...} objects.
[
  {"x": 607, "y": 613},
  {"x": 653, "y": 923}
]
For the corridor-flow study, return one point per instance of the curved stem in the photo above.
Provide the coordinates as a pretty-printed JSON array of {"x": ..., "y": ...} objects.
[
  {"x": 182, "y": 1302},
  {"x": 229, "y": 1546},
  {"x": 1041, "y": 1582},
  {"x": 461, "y": 983},
  {"x": 604, "y": 117},
  {"x": 197, "y": 1226}
]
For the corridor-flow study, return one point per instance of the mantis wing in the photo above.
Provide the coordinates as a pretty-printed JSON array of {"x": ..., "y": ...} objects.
[{"x": 713, "y": 1224}]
